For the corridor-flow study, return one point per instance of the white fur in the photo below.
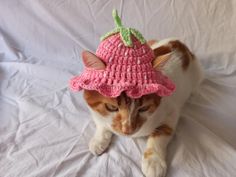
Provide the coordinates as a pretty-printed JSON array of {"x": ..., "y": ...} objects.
[
  {"x": 101, "y": 140},
  {"x": 167, "y": 113},
  {"x": 155, "y": 166}
]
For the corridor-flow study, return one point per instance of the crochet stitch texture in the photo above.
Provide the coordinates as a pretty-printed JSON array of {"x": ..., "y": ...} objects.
[{"x": 128, "y": 69}]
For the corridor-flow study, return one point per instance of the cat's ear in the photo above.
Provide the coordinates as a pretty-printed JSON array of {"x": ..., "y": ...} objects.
[
  {"x": 162, "y": 55},
  {"x": 151, "y": 42},
  {"x": 92, "y": 61}
]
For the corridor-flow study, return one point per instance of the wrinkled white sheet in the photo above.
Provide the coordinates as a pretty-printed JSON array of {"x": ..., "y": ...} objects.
[{"x": 45, "y": 129}]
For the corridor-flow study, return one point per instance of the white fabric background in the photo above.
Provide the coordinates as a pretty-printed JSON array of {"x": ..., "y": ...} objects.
[{"x": 45, "y": 129}]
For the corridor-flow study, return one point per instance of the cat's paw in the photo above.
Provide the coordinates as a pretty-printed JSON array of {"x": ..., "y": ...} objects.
[
  {"x": 98, "y": 145},
  {"x": 153, "y": 165}
]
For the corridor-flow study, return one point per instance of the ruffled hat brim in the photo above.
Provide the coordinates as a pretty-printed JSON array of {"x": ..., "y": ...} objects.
[{"x": 162, "y": 87}]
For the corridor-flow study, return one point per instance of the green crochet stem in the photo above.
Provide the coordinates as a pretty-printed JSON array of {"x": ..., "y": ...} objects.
[
  {"x": 116, "y": 18},
  {"x": 125, "y": 33}
]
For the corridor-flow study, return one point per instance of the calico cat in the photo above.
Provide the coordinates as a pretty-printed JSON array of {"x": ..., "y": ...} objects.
[{"x": 151, "y": 116}]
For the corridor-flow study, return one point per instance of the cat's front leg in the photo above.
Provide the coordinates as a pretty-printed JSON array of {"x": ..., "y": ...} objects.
[
  {"x": 154, "y": 157},
  {"x": 100, "y": 141}
]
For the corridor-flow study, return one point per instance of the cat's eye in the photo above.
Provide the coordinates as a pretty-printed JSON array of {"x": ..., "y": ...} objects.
[
  {"x": 143, "y": 109},
  {"x": 111, "y": 107}
]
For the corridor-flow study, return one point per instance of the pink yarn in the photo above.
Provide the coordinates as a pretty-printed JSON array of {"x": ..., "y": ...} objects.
[{"x": 128, "y": 69}]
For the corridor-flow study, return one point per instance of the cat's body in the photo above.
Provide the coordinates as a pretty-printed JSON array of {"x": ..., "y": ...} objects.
[
  {"x": 150, "y": 115},
  {"x": 186, "y": 81}
]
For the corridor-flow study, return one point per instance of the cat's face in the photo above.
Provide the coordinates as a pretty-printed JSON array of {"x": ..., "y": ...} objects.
[{"x": 127, "y": 115}]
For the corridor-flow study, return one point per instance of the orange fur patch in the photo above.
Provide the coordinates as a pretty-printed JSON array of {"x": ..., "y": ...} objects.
[
  {"x": 96, "y": 101},
  {"x": 162, "y": 130},
  {"x": 187, "y": 56},
  {"x": 116, "y": 123},
  {"x": 162, "y": 51},
  {"x": 148, "y": 153}
]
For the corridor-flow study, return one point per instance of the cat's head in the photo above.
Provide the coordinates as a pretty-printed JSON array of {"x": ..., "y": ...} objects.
[{"x": 124, "y": 114}]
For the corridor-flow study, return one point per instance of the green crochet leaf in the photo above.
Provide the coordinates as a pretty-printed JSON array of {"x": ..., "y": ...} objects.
[
  {"x": 138, "y": 35},
  {"x": 125, "y": 33},
  {"x": 126, "y": 36}
]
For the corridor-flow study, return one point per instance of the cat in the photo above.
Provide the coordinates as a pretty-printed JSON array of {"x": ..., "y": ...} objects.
[{"x": 150, "y": 116}]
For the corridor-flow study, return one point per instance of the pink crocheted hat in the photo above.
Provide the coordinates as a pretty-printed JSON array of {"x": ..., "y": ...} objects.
[{"x": 128, "y": 61}]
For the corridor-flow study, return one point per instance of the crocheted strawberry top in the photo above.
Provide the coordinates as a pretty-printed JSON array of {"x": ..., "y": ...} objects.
[{"x": 128, "y": 68}]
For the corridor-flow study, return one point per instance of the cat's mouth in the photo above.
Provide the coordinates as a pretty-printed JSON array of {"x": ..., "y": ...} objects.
[
  {"x": 125, "y": 131},
  {"x": 128, "y": 132}
]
